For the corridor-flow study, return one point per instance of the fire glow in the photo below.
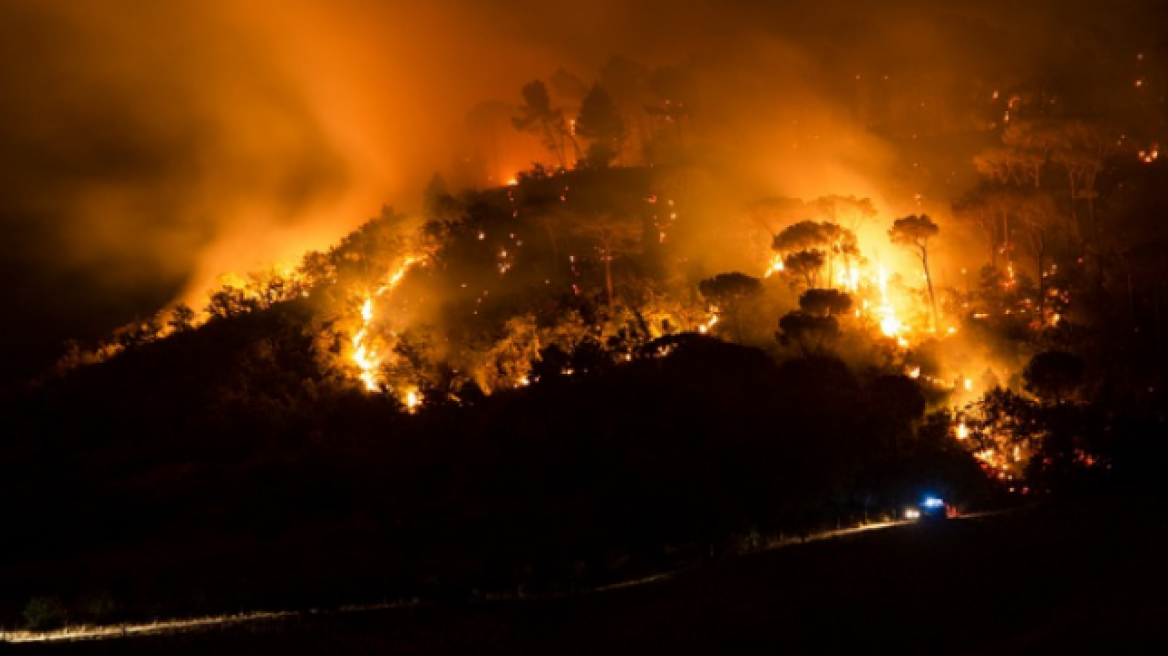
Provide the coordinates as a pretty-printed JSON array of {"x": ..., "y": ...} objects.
[{"x": 365, "y": 354}]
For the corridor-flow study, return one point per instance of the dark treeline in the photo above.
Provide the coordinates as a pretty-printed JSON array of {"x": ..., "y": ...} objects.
[{"x": 145, "y": 480}]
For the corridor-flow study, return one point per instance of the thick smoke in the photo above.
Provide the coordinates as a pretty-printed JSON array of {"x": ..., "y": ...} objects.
[{"x": 149, "y": 146}]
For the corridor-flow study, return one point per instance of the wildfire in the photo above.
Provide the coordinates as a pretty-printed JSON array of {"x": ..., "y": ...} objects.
[
  {"x": 850, "y": 278},
  {"x": 776, "y": 266},
  {"x": 890, "y": 325},
  {"x": 705, "y": 328},
  {"x": 365, "y": 355}
]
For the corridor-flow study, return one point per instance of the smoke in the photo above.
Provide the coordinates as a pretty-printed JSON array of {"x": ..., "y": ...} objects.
[{"x": 149, "y": 146}]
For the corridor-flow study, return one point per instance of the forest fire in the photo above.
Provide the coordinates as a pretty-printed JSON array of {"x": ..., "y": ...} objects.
[
  {"x": 607, "y": 303},
  {"x": 366, "y": 355}
]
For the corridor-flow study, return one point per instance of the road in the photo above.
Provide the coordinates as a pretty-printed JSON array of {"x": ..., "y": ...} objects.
[{"x": 1021, "y": 583}]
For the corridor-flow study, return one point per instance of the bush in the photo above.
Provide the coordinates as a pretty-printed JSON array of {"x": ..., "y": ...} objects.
[{"x": 44, "y": 613}]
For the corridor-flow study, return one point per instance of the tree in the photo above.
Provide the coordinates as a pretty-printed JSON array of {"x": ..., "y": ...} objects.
[
  {"x": 846, "y": 211},
  {"x": 600, "y": 121},
  {"x": 804, "y": 235},
  {"x": 807, "y": 246},
  {"x": 810, "y": 332},
  {"x": 1081, "y": 151},
  {"x": 612, "y": 236},
  {"x": 1053, "y": 375},
  {"x": 806, "y": 264},
  {"x": 1039, "y": 213},
  {"x": 729, "y": 291},
  {"x": 182, "y": 318},
  {"x": 1029, "y": 143},
  {"x": 897, "y": 405},
  {"x": 437, "y": 202},
  {"x": 675, "y": 90},
  {"x": 568, "y": 86},
  {"x": 914, "y": 233},
  {"x": 976, "y": 209},
  {"x": 825, "y": 302},
  {"x": 538, "y": 117},
  {"x": 627, "y": 82}
]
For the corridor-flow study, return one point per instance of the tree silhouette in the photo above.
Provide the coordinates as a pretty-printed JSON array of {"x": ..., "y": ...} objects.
[
  {"x": 600, "y": 121},
  {"x": 825, "y": 302},
  {"x": 806, "y": 264},
  {"x": 1039, "y": 214},
  {"x": 729, "y": 291},
  {"x": 1053, "y": 375},
  {"x": 808, "y": 246},
  {"x": 182, "y": 318},
  {"x": 812, "y": 333},
  {"x": 914, "y": 233},
  {"x": 897, "y": 404},
  {"x": 538, "y": 117},
  {"x": 612, "y": 236}
]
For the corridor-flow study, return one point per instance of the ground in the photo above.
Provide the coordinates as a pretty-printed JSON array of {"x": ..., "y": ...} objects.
[{"x": 1060, "y": 578}]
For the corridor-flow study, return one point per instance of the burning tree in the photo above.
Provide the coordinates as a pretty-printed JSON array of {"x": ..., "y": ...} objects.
[
  {"x": 914, "y": 232},
  {"x": 808, "y": 246}
]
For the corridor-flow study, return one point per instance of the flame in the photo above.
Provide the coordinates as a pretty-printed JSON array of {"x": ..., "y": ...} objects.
[
  {"x": 890, "y": 325},
  {"x": 709, "y": 325},
  {"x": 365, "y": 355},
  {"x": 776, "y": 266},
  {"x": 962, "y": 431}
]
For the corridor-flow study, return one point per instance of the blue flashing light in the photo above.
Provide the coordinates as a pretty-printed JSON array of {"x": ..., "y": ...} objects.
[{"x": 933, "y": 502}]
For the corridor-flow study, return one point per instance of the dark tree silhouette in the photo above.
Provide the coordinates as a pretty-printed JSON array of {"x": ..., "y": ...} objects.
[
  {"x": 825, "y": 302},
  {"x": 182, "y": 318},
  {"x": 1053, "y": 375},
  {"x": 807, "y": 265},
  {"x": 601, "y": 123},
  {"x": 897, "y": 404},
  {"x": 538, "y": 117},
  {"x": 729, "y": 291},
  {"x": 612, "y": 236},
  {"x": 811, "y": 333}
]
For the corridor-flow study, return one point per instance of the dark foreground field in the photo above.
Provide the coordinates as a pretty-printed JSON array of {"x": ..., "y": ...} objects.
[{"x": 1067, "y": 578}]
